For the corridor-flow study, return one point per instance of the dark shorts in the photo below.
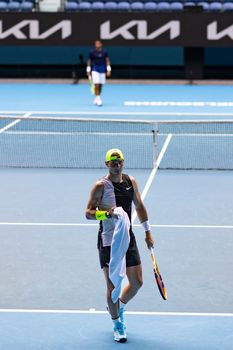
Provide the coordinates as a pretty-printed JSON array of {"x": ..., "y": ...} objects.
[{"x": 132, "y": 254}]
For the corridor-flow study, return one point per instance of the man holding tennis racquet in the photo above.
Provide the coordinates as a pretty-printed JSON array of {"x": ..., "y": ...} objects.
[
  {"x": 118, "y": 190},
  {"x": 98, "y": 65}
]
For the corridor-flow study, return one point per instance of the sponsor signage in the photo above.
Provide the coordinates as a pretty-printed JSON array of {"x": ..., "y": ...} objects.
[{"x": 123, "y": 29}]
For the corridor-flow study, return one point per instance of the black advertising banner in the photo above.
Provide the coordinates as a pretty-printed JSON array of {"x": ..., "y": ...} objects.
[{"x": 123, "y": 29}]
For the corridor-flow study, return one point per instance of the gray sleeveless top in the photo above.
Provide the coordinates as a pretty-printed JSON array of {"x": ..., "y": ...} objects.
[{"x": 108, "y": 201}]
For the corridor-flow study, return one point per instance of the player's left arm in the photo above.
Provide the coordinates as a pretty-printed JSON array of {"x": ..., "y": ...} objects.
[
  {"x": 108, "y": 66},
  {"x": 142, "y": 214}
]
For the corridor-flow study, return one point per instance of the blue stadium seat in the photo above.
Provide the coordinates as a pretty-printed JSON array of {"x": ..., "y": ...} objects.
[
  {"x": 123, "y": 6},
  {"x": 215, "y": 7},
  {"x": 171, "y": 1},
  {"x": 84, "y": 6},
  {"x": 71, "y": 6},
  {"x": 13, "y": 6},
  {"x": 188, "y": 4},
  {"x": 116, "y": 1},
  {"x": 150, "y": 6},
  {"x": 163, "y": 6},
  {"x": 26, "y": 6},
  {"x": 97, "y": 6},
  {"x": 3, "y": 6},
  {"x": 176, "y": 6},
  {"x": 137, "y": 6},
  {"x": 227, "y": 7},
  {"x": 110, "y": 6},
  {"x": 204, "y": 5}
]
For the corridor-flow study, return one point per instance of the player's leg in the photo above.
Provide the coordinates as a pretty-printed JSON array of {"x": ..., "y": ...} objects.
[
  {"x": 134, "y": 275},
  {"x": 97, "y": 89},
  {"x": 113, "y": 308},
  {"x": 96, "y": 82},
  {"x": 102, "y": 79}
]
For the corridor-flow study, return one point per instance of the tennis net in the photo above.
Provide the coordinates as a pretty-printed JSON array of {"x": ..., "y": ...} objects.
[{"x": 82, "y": 143}]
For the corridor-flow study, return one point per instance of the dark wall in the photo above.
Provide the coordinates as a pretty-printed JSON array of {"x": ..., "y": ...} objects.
[{"x": 151, "y": 45}]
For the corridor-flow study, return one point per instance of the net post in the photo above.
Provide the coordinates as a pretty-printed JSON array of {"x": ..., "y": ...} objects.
[{"x": 154, "y": 142}]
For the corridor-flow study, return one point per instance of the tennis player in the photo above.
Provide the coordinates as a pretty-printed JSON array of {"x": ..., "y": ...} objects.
[
  {"x": 118, "y": 190},
  {"x": 98, "y": 66}
]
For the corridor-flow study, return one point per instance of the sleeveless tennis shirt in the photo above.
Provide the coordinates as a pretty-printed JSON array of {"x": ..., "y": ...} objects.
[{"x": 115, "y": 195}]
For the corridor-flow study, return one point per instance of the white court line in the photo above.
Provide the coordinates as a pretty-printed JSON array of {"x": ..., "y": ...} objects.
[
  {"x": 180, "y": 103},
  {"x": 140, "y": 313},
  {"x": 80, "y": 133},
  {"x": 228, "y": 114},
  {"x": 8, "y": 126},
  {"x": 61, "y": 224},
  {"x": 153, "y": 172}
]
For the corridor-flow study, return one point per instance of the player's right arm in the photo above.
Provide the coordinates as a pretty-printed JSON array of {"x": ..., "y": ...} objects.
[{"x": 94, "y": 200}]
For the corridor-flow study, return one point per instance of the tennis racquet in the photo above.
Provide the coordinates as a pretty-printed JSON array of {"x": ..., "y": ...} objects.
[
  {"x": 92, "y": 86},
  {"x": 158, "y": 276}
]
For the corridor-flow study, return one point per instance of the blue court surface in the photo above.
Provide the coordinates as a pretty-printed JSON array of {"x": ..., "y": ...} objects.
[{"x": 52, "y": 291}]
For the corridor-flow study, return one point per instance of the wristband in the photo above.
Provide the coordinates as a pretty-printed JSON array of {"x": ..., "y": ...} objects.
[
  {"x": 88, "y": 69},
  {"x": 109, "y": 68},
  {"x": 102, "y": 215},
  {"x": 146, "y": 225}
]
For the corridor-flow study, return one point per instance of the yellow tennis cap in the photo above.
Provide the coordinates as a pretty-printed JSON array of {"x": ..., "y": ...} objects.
[{"x": 113, "y": 154}]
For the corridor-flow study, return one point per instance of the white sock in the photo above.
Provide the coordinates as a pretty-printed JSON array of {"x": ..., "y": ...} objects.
[
  {"x": 115, "y": 320},
  {"x": 122, "y": 305}
]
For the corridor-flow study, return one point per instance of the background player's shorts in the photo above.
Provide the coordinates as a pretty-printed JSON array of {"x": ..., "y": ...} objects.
[{"x": 98, "y": 78}]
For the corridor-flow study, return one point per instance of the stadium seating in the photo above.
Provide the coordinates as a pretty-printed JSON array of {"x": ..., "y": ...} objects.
[
  {"x": 176, "y": 6},
  {"x": 205, "y": 5},
  {"x": 228, "y": 6},
  {"x": 110, "y": 6},
  {"x": 17, "y": 6},
  {"x": 71, "y": 6},
  {"x": 123, "y": 6},
  {"x": 3, "y": 6},
  {"x": 13, "y": 6},
  {"x": 163, "y": 6},
  {"x": 85, "y": 6},
  {"x": 137, "y": 6},
  {"x": 97, "y": 6},
  {"x": 150, "y": 6},
  {"x": 26, "y": 6},
  {"x": 215, "y": 7}
]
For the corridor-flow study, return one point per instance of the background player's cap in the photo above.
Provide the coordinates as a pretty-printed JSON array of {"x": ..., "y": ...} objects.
[{"x": 114, "y": 154}]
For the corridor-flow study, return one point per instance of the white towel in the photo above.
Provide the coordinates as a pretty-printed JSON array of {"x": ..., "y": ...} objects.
[{"x": 119, "y": 247}]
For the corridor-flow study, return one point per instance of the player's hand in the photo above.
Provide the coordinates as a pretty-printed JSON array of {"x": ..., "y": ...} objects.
[
  {"x": 149, "y": 240},
  {"x": 108, "y": 74},
  {"x": 111, "y": 212}
]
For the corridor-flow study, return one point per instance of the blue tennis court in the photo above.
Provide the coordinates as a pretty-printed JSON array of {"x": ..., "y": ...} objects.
[{"x": 52, "y": 289}]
